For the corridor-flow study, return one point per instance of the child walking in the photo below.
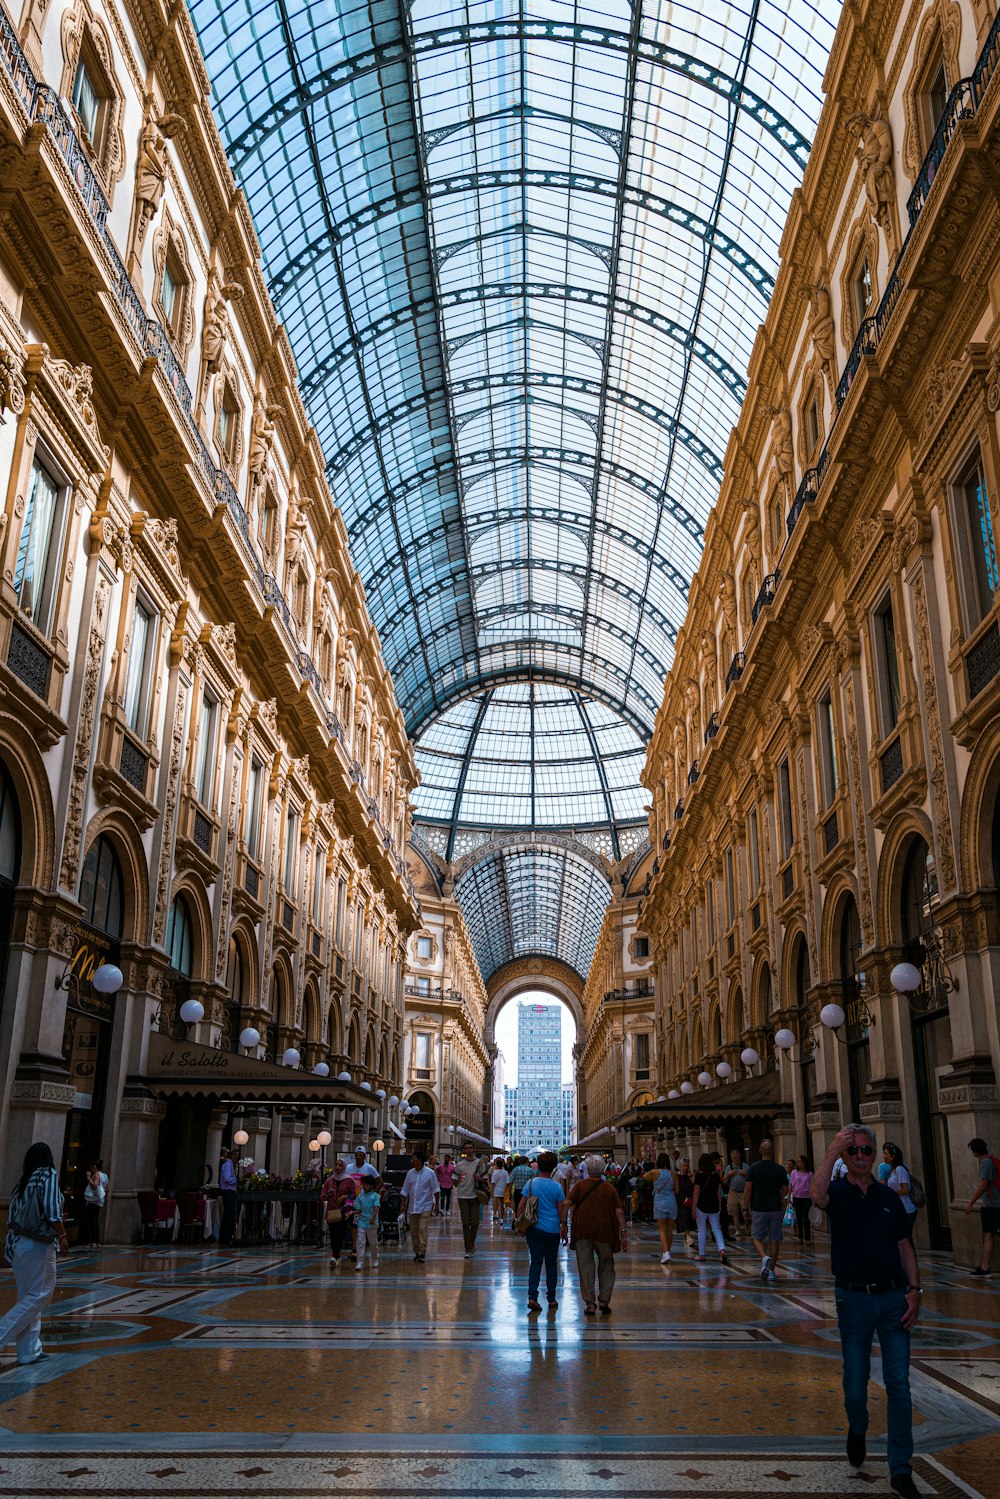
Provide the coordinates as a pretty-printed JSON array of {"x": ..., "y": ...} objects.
[{"x": 366, "y": 1206}]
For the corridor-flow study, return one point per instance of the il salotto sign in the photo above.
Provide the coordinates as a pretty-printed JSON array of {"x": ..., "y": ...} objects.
[{"x": 208, "y": 1069}]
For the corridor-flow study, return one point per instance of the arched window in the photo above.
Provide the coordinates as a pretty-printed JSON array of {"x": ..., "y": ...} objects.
[
  {"x": 10, "y": 830},
  {"x": 859, "y": 1067},
  {"x": 920, "y": 892},
  {"x": 235, "y": 982},
  {"x": 101, "y": 889},
  {"x": 180, "y": 937}
]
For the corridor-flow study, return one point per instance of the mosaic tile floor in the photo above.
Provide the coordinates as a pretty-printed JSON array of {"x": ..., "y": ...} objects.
[{"x": 183, "y": 1372}]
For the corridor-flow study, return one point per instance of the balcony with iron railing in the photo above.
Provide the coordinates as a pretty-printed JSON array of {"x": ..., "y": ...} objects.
[{"x": 42, "y": 105}]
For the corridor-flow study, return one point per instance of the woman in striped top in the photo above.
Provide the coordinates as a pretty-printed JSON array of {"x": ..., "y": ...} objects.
[{"x": 36, "y": 1233}]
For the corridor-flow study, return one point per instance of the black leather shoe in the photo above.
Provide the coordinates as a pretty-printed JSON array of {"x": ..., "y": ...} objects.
[
  {"x": 856, "y": 1449},
  {"x": 902, "y": 1483}
]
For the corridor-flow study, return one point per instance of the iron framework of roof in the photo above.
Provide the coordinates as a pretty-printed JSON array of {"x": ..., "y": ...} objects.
[{"x": 521, "y": 251}]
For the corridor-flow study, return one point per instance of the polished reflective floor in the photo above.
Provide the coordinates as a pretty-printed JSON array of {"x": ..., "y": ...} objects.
[{"x": 183, "y": 1371}]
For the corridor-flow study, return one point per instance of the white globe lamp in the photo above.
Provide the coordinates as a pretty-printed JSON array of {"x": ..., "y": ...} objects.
[
  {"x": 380, "y": 1094},
  {"x": 108, "y": 979},
  {"x": 687, "y": 1086},
  {"x": 291, "y": 1057},
  {"x": 322, "y": 1069},
  {"x": 365, "y": 1087},
  {"x": 705, "y": 1078},
  {"x": 905, "y": 978},
  {"x": 394, "y": 1102},
  {"x": 314, "y": 1145},
  {"x": 673, "y": 1093},
  {"x": 192, "y": 1010},
  {"x": 832, "y": 1016},
  {"x": 723, "y": 1070},
  {"x": 749, "y": 1057},
  {"x": 240, "y": 1137},
  {"x": 343, "y": 1077},
  {"x": 249, "y": 1037},
  {"x": 784, "y": 1039},
  {"x": 324, "y": 1137}
]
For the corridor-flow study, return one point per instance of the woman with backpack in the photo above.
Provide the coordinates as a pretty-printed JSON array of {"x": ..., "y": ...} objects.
[
  {"x": 707, "y": 1203},
  {"x": 35, "y": 1235},
  {"x": 900, "y": 1182}
]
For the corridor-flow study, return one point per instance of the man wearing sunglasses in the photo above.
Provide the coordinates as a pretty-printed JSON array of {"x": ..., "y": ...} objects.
[{"x": 877, "y": 1290}]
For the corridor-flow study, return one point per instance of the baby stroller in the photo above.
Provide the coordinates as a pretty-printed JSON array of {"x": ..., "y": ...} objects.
[{"x": 391, "y": 1222}]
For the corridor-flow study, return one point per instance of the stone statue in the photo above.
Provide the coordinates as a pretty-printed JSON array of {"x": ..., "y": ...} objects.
[
  {"x": 151, "y": 171},
  {"x": 821, "y": 328},
  {"x": 874, "y": 153},
  {"x": 261, "y": 441},
  {"x": 216, "y": 332},
  {"x": 727, "y": 597},
  {"x": 781, "y": 439}
]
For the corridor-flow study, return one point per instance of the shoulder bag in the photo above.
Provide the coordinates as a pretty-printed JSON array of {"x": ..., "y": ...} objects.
[{"x": 527, "y": 1212}]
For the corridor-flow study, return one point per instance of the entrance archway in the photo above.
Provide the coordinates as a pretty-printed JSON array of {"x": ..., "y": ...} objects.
[
  {"x": 539, "y": 980},
  {"x": 531, "y": 974}
]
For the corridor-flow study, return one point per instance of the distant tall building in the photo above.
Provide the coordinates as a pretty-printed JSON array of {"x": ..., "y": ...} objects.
[
  {"x": 568, "y": 1114},
  {"x": 510, "y": 1139},
  {"x": 538, "y": 1108}
]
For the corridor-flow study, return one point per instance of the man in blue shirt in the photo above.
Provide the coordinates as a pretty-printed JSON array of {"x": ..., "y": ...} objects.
[
  {"x": 877, "y": 1290},
  {"x": 227, "y": 1191}
]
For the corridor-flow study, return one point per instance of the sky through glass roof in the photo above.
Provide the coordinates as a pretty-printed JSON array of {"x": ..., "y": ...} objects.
[{"x": 522, "y": 252}]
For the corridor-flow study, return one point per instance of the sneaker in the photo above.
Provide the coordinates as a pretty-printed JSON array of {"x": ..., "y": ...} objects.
[
  {"x": 980, "y": 1271},
  {"x": 700, "y": 1258},
  {"x": 857, "y": 1451},
  {"x": 665, "y": 1258},
  {"x": 723, "y": 1257},
  {"x": 902, "y": 1483},
  {"x": 766, "y": 1266},
  {"x": 375, "y": 1264},
  {"x": 468, "y": 1254},
  {"x": 534, "y": 1306},
  {"x": 358, "y": 1268}
]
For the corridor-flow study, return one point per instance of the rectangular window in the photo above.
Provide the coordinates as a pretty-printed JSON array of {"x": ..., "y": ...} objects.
[
  {"x": 785, "y": 808},
  {"x": 168, "y": 294},
  {"x": 423, "y": 947},
  {"x": 730, "y": 890},
  {"x": 710, "y": 911},
  {"x": 204, "y": 771},
  {"x": 887, "y": 666},
  {"x": 137, "y": 667},
  {"x": 641, "y": 947},
  {"x": 319, "y": 874},
  {"x": 341, "y": 912},
  {"x": 812, "y": 422},
  {"x": 753, "y": 849},
  {"x": 422, "y": 1050},
  {"x": 828, "y": 748},
  {"x": 862, "y": 292},
  {"x": 86, "y": 101},
  {"x": 981, "y": 542},
  {"x": 291, "y": 850},
  {"x": 359, "y": 931},
  {"x": 642, "y": 1053},
  {"x": 423, "y": 985},
  {"x": 36, "y": 568},
  {"x": 229, "y": 413},
  {"x": 255, "y": 790}
]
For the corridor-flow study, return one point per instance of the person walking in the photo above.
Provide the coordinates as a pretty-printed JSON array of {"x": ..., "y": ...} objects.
[
  {"x": 446, "y": 1183},
  {"x": 987, "y": 1188},
  {"x": 596, "y": 1230},
  {"x": 800, "y": 1184},
  {"x": 767, "y": 1181},
  {"x": 337, "y": 1196},
  {"x": 899, "y": 1180},
  {"x": 499, "y": 1182},
  {"x": 685, "y": 1198},
  {"x": 544, "y": 1235},
  {"x": 706, "y": 1202},
  {"x": 664, "y": 1202},
  {"x": 734, "y": 1182},
  {"x": 519, "y": 1179},
  {"x": 421, "y": 1196},
  {"x": 35, "y": 1235},
  {"x": 366, "y": 1206},
  {"x": 877, "y": 1290},
  {"x": 470, "y": 1180},
  {"x": 95, "y": 1195},
  {"x": 227, "y": 1191}
]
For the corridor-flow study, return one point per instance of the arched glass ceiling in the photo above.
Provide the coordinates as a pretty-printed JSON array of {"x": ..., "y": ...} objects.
[
  {"x": 522, "y": 252},
  {"x": 530, "y": 901},
  {"x": 529, "y": 755}
]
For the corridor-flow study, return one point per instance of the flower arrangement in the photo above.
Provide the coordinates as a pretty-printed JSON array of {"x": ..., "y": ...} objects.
[{"x": 266, "y": 1181}]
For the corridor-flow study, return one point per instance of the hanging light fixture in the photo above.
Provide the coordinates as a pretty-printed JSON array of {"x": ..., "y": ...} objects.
[
  {"x": 723, "y": 1070},
  {"x": 191, "y": 1011},
  {"x": 249, "y": 1037},
  {"x": 291, "y": 1057}
]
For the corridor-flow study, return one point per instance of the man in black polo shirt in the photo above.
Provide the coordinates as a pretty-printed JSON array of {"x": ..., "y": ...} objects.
[{"x": 877, "y": 1290}]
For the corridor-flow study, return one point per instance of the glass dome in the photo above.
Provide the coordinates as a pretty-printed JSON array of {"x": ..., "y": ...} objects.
[{"x": 530, "y": 755}]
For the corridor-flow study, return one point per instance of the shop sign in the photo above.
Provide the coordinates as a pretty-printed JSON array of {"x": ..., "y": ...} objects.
[{"x": 90, "y": 952}]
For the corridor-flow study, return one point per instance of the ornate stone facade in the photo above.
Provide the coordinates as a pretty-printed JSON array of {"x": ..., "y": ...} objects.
[{"x": 845, "y": 814}]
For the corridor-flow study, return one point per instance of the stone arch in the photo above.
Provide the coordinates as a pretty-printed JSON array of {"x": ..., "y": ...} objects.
[
  {"x": 735, "y": 1018},
  {"x": 279, "y": 999},
  {"x": 31, "y": 786},
  {"x": 697, "y": 1040},
  {"x": 354, "y": 1040},
  {"x": 714, "y": 1031},
  {"x": 841, "y": 886},
  {"x": 762, "y": 992},
  {"x": 242, "y": 933},
  {"x": 383, "y": 1058},
  {"x": 795, "y": 938},
  {"x": 334, "y": 1028},
  {"x": 125, "y": 840},
  {"x": 979, "y": 800},
  {"x": 191, "y": 888},
  {"x": 899, "y": 836},
  {"x": 370, "y": 1052},
  {"x": 546, "y": 974}
]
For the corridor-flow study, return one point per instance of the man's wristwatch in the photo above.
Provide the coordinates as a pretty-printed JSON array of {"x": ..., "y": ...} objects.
[{"x": 919, "y": 1289}]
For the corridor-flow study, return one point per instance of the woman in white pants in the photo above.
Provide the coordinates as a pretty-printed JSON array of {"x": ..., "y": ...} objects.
[
  {"x": 707, "y": 1204},
  {"x": 36, "y": 1233}
]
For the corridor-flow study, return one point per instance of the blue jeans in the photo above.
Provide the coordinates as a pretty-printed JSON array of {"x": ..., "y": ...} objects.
[
  {"x": 542, "y": 1246},
  {"x": 860, "y": 1316}
]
